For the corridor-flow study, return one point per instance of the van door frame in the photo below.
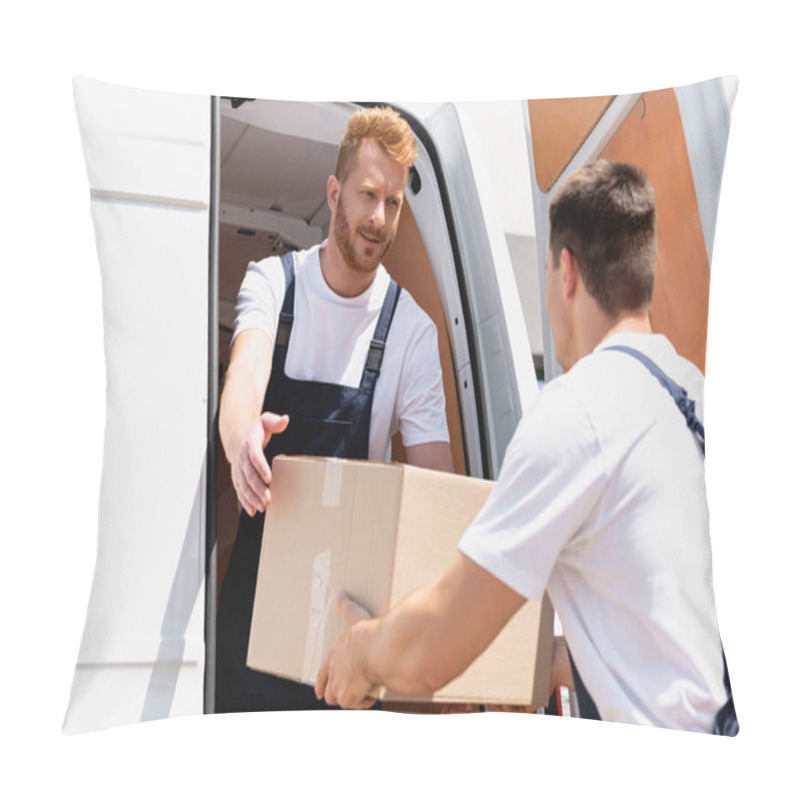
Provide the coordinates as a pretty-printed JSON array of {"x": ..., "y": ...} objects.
[
  {"x": 425, "y": 139},
  {"x": 213, "y": 413}
]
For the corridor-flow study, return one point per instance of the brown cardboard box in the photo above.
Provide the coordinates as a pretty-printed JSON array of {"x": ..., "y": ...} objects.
[{"x": 378, "y": 532}]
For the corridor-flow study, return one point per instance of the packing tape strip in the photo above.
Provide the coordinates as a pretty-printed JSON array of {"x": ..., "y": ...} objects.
[
  {"x": 318, "y": 610},
  {"x": 332, "y": 485}
]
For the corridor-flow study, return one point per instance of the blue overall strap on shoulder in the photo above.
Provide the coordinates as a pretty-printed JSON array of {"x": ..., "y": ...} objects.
[
  {"x": 287, "y": 310},
  {"x": 378, "y": 343},
  {"x": 679, "y": 395}
]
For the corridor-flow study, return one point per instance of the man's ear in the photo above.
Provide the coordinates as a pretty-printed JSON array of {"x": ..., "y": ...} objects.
[
  {"x": 569, "y": 273},
  {"x": 334, "y": 187}
]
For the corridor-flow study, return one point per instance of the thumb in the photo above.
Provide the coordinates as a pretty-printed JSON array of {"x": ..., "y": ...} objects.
[
  {"x": 350, "y": 611},
  {"x": 272, "y": 423}
]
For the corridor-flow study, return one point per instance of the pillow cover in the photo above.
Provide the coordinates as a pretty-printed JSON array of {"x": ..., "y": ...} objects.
[{"x": 186, "y": 190}]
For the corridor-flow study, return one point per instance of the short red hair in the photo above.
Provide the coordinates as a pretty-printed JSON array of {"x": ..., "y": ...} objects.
[{"x": 384, "y": 126}]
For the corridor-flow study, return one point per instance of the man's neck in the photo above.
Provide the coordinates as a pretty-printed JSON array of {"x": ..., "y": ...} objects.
[
  {"x": 629, "y": 323},
  {"x": 339, "y": 275},
  {"x": 596, "y": 326}
]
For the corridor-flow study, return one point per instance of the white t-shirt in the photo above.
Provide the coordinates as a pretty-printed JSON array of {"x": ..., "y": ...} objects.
[
  {"x": 601, "y": 501},
  {"x": 330, "y": 341}
]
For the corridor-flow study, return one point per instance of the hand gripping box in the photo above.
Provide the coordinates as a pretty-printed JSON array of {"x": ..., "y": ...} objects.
[{"x": 378, "y": 532}]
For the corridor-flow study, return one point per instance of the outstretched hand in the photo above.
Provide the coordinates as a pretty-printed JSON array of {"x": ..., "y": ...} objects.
[
  {"x": 250, "y": 472},
  {"x": 341, "y": 680}
]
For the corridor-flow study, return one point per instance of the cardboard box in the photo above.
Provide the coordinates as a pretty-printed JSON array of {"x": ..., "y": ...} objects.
[{"x": 378, "y": 532}]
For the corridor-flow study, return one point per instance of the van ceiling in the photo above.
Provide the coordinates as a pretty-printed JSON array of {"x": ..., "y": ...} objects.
[
  {"x": 277, "y": 156},
  {"x": 275, "y": 159}
]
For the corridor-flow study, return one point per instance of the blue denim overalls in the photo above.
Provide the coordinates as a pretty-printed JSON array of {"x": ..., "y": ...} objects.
[{"x": 324, "y": 420}]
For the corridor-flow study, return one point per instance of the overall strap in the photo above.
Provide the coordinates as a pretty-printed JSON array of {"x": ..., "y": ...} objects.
[
  {"x": 287, "y": 310},
  {"x": 679, "y": 395},
  {"x": 372, "y": 367}
]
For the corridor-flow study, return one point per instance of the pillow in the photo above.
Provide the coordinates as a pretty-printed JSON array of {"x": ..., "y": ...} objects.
[{"x": 187, "y": 189}]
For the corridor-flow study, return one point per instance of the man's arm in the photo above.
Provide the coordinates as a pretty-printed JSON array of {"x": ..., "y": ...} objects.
[
  {"x": 431, "y": 455},
  {"x": 420, "y": 403},
  {"x": 244, "y": 431},
  {"x": 423, "y": 643}
]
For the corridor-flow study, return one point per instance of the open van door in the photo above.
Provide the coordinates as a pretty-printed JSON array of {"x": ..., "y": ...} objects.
[
  {"x": 496, "y": 361},
  {"x": 207, "y": 185}
]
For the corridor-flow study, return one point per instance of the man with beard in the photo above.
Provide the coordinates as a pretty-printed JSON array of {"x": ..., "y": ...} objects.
[{"x": 329, "y": 358}]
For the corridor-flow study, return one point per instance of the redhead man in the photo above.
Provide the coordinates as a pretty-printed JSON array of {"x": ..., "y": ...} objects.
[{"x": 329, "y": 358}]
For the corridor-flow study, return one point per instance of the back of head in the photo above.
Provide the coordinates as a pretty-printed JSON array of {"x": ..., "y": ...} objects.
[
  {"x": 385, "y": 127},
  {"x": 605, "y": 215}
]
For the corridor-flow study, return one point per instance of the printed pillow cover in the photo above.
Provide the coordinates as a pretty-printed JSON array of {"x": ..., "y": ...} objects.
[{"x": 187, "y": 189}]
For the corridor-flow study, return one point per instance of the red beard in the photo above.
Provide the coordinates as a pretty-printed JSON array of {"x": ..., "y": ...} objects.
[{"x": 373, "y": 252}]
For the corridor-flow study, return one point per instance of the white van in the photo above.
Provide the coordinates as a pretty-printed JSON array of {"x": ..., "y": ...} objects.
[{"x": 185, "y": 190}]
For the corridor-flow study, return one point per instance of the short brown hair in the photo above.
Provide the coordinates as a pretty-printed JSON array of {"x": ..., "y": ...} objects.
[
  {"x": 383, "y": 125},
  {"x": 605, "y": 215}
]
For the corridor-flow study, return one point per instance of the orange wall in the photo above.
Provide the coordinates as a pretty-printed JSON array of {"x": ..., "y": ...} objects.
[{"x": 652, "y": 138}]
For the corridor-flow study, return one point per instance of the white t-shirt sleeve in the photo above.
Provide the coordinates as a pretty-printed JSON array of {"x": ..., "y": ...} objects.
[
  {"x": 260, "y": 297},
  {"x": 420, "y": 405},
  {"x": 552, "y": 476}
]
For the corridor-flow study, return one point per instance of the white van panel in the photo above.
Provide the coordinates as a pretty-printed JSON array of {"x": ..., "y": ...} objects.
[
  {"x": 164, "y": 139},
  {"x": 149, "y": 694},
  {"x": 706, "y": 117},
  {"x": 143, "y": 652}
]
